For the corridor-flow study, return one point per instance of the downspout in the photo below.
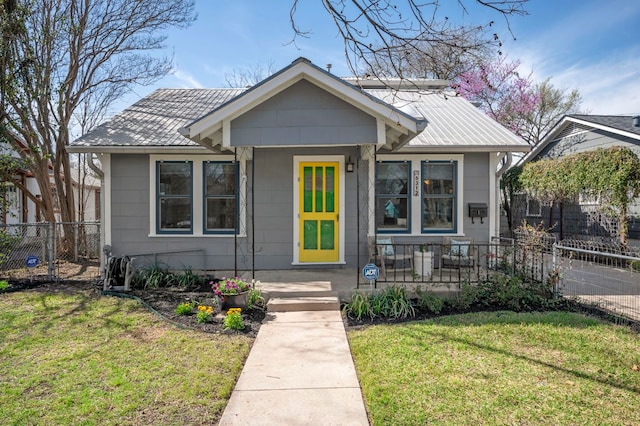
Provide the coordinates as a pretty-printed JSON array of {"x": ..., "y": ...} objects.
[{"x": 508, "y": 160}]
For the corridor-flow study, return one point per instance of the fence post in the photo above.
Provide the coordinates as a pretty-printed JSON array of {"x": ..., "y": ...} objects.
[
  {"x": 51, "y": 252},
  {"x": 75, "y": 242},
  {"x": 555, "y": 268}
]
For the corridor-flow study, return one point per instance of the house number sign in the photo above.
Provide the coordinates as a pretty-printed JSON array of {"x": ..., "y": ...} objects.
[{"x": 416, "y": 183}]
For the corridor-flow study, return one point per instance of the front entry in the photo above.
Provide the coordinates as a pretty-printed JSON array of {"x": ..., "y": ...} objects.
[{"x": 319, "y": 211}]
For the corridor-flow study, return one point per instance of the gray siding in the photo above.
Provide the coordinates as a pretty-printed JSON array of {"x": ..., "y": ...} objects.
[
  {"x": 270, "y": 232},
  {"x": 587, "y": 141},
  {"x": 476, "y": 190},
  {"x": 303, "y": 114}
]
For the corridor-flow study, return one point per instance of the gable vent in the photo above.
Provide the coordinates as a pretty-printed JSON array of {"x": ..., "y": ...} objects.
[{"x": 573, "y": 128}]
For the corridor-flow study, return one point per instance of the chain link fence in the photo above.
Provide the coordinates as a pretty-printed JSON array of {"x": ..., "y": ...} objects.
[{"x": 50, "y": 251}]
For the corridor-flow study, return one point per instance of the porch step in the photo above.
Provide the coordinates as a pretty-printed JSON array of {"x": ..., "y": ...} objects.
[{"x": 315, "y": 303}]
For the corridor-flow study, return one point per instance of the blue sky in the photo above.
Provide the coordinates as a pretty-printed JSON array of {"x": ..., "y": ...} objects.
[{"x": 591, "y": 45}]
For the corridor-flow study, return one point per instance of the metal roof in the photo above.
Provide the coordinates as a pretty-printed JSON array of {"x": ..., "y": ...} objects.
[
  {"x": 452, "y": 122},
  {"x": 154, "y": 121}
]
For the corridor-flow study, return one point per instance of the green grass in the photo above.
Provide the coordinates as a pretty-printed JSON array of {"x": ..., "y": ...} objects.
[
  {"x": 78, "y": 359},
  {"x": 499, "y": 368}
]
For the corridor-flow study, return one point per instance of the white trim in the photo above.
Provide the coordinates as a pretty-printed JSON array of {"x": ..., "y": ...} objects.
[
  {"x": 105, "y": 160},
  {"x": 381, "y": 132},
  {"x": 494, "y": 218},
  {"x": 197, "y": 197},
  {"x": 297, "y": 159},
  {"x": 416, "y": 202}
]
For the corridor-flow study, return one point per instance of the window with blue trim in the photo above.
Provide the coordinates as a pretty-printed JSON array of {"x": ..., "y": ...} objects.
[
  {"x": 392, "y": 198},
  {"x": 439, "y": 193},
  {"x": 174, "y": 198},
  {"x": 220, "y": 199}
]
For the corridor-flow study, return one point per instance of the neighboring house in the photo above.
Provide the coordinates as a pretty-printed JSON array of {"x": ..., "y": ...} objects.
[
  {"x": 579, "y": 133},
  {"x": 16, "y": 207},
  {"x": 281, "y": 175}
]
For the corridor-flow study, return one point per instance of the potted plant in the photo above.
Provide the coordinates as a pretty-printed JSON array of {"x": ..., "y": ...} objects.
[
  {"x": 423, "y": 263},
  {"x": 232, "y": 292}
]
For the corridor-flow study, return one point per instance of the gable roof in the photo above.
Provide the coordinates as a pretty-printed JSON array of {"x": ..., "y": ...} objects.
[
  {"x": 203, "y": 129},
  {"x": 154, "y": 121},
  {"x": 429, "y": 119},
  {"x": 622, "y": 125}
]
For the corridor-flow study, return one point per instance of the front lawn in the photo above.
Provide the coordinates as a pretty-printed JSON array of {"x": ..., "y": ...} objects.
[
  {"x": 82, "y": 359},
  {"x": 499, "y": 368}
]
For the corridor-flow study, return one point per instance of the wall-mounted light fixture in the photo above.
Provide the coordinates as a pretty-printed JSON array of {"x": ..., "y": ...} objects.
[{"x": 349, "y": 165}]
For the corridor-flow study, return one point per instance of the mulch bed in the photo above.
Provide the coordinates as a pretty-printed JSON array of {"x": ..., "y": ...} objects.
[{"x": 162, "y": 302}]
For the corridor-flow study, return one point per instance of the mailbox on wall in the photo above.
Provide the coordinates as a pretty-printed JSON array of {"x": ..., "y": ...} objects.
[{"x": 478, "y": 210}]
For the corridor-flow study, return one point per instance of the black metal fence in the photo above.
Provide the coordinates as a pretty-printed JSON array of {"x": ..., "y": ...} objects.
[{"x": 452, "y": 265}]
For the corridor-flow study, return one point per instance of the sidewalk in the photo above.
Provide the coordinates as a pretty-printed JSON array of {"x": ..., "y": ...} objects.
[{"x": 299, "y": 372}]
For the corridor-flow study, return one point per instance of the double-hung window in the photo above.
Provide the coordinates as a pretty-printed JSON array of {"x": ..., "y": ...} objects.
[
  {"x": 439, "y": 184},
  {"x": 392, "y": 199},
  {"x": 419, "y": 194},
  {"x": 220, "y": 200},
  {"x": 174, "y": 197},
  {"x": 196, "y": 195}
]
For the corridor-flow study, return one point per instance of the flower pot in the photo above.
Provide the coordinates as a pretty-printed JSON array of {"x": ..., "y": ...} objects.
[
  {"x": 235, "y": 300},
  {"x": 423, "y": 264}
]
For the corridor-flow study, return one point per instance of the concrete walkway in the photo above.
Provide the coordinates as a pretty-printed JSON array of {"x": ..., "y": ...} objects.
[{"x": 299, "y": 372}]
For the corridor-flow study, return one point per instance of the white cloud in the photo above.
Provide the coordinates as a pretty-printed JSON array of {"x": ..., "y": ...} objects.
[{"x": 186, "y": 80}]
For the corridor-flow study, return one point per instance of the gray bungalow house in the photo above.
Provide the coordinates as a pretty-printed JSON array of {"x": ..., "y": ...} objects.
[
  {"x": 298, "y": 171},
  {"x": 580, "y": 133}
]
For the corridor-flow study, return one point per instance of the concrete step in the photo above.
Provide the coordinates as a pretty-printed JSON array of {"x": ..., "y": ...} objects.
[
  {"x": 315, "y": 303},
  {"x": 297, "y": 289}
]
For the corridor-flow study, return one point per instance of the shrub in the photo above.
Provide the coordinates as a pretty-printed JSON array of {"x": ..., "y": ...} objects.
[{"x": 429, "y": 301}]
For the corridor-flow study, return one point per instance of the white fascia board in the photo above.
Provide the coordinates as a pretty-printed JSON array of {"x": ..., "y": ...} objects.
[
  {"x": 606, "y": 128},
  {"x": 253, "y": 97}
]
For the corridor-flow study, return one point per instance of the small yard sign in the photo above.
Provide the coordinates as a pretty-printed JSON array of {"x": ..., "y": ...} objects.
[
  {"x": 32, "y": 261},
  {"x": 370, "y": 272}
]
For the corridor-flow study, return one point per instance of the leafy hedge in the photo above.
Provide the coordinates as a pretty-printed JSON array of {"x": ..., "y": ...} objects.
[{"x": 496, "y": 292}]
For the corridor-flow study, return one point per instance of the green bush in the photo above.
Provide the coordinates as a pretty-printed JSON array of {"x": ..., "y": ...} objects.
[{"x": 429, "y": 301}]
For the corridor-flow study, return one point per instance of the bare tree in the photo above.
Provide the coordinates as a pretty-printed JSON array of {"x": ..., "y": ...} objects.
[
  {"x": 374, "y": 31},
  {"x": 63, "y": 63},
  {"x": 553, "y": 104},
  {"x": 250, "y": 76},
  {"x": 432, "y": 60}
]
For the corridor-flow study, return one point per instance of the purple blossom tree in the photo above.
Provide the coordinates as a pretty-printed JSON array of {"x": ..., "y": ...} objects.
[{"x": 502, "y": 92}]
